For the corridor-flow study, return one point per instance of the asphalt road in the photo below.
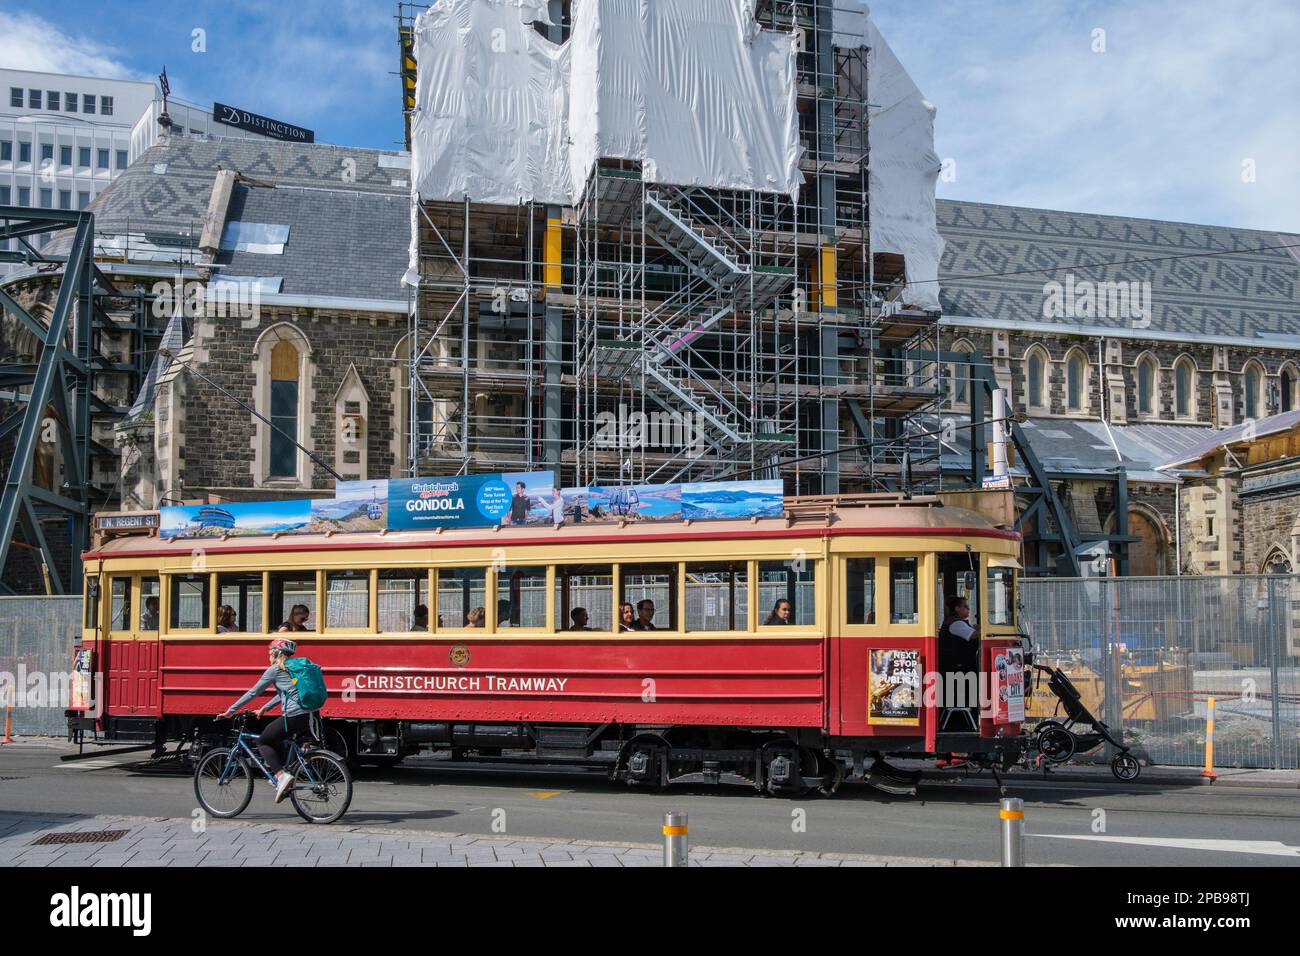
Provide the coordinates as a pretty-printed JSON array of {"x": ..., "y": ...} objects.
[{"x": 1144, "y": 825}]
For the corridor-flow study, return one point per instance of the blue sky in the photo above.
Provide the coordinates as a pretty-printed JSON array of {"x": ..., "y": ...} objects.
[{"x": 1190, "y": 112}]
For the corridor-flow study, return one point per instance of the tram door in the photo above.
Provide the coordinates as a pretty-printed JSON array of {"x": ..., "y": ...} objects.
[
  {"x": 132, "y": 647},
  {"x": 957, "y": 576}
]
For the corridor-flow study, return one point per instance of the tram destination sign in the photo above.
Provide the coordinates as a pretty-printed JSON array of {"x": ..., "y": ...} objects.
[{"x": 473, "y": 501}]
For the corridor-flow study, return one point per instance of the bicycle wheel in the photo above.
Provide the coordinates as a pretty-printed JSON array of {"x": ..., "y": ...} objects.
[
  {"x": 221, "y": 793},
  {"x": 322, "y": 789}
]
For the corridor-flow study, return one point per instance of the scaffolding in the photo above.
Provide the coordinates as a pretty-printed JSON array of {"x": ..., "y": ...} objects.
[{"x": 660, "y": 333}]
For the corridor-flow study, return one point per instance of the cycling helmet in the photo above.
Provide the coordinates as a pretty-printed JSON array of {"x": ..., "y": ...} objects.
[{"x": 284, "y": 644}]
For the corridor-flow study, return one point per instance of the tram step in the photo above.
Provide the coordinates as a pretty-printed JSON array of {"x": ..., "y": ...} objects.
[{"x": 561, "y": 740}]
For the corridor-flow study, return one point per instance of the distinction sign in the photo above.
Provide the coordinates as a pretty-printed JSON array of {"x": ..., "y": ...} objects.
[{"x": 254, "y": 123}]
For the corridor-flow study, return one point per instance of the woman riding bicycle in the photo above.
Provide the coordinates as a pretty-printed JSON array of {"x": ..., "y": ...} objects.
[{"x": 296, "y": 719}]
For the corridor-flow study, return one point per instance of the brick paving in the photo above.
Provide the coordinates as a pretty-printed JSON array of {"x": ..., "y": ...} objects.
[{"x": 152, "y": 841}]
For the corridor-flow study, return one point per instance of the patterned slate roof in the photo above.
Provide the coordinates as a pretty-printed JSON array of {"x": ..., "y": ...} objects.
[
  {"x": 349, "y": 225},
  {"x": 1241, "y": 295}
]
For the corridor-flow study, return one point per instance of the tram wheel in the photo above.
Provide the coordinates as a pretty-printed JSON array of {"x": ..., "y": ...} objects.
[
  {"x": 655, "y": 750},
  {"x": 1125, "y": 767},
  {"x": 794, "y": 761},
  {"x": 833, "y": 778},
  {"x": 1056, "y": 743}
]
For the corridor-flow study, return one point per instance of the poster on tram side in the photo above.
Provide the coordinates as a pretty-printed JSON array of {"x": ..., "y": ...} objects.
[
  {"x": 1009, "y": 686},
  {"x": 894, "y": 687}
]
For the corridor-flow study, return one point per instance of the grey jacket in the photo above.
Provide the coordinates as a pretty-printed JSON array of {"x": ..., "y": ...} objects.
[{"x": 283, "y": 683}]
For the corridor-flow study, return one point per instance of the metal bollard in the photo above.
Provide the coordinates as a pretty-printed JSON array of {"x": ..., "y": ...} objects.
[
  {"x": 1012, "y": 815},
  {"x": 677, "y": 850},
  {"x": 9, "y": 716},
  {"x": 1208, "y": 773}
]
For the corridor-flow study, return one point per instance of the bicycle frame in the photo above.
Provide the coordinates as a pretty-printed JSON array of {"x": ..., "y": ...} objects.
[{"x": 292, "y": 759}]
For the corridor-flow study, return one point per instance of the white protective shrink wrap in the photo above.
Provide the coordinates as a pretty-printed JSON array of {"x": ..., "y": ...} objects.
[
  {"x": 904, "y": 166},
  {"x": 694, "y": 90}
]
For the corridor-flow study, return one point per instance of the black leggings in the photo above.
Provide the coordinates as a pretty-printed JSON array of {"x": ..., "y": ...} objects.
[{"x": 268, "y": 742}]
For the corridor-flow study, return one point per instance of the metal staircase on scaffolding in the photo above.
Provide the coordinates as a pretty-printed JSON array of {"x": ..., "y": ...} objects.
[{"x": 723, "y": 285}]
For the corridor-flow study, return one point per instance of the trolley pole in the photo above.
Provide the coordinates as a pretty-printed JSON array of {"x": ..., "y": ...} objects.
[
  {"x": 677, "y": 850},
  {"x": 1011, "y": 818}
]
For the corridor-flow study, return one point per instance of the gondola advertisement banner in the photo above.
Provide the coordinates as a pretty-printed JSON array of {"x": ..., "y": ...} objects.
[
  {"x": 473, "y": 501},
  {"x": 697, "y": 501},
  {"x": 894, "y": 687}
]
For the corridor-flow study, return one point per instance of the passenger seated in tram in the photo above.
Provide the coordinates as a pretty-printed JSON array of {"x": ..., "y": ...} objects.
[
  {"x": 579, "y": 617},
  {"x": 420, "y": 619},
  {"x": 475, "y": 617},
  {"x": 645, "y": 616},
  {"x": 782, "y": 611},
  {"x": 626, "y": 616},
  {"x": 149, "y": 620},
  {"x": 297, "y": 619},
  {"x": 226, "y": 616}
]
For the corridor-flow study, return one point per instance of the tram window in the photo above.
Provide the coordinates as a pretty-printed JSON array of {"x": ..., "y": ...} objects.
[
  {"x": 958, "y": 576},
  {"x": 585, "y": 588},
  {"x": 860, "y": 591},
  {"x": 401, "y": 592},
  {"x": 521, "y": 597},
  {"x": 462, "y": 593},
  {"x": 902, "y": 591},
  {"x": 290, "y": 588},
  {"x": 1002, "y": 595},
  {"x": 243, "y": 594},
  {"x": 347, "y": 600},
  {"x": 651, "y": 589},
  {"x": 190, "y": 601},
  {"x": 119, "y": 604},
  {"x": 92, "y": 602},
  {"x": 717, "y": 596},
  {"x": 791, "y": 581},
  {"x": 149, "y": 592}
]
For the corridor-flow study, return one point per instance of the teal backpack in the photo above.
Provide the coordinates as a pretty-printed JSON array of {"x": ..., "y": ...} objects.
[{"x": 308, "y": 680}]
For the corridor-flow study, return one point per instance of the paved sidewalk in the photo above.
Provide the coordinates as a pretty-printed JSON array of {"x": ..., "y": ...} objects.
[{"x": 151, "y": 841}]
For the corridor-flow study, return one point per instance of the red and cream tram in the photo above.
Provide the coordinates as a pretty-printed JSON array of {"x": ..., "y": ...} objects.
[{"x": 717, "y": 687}]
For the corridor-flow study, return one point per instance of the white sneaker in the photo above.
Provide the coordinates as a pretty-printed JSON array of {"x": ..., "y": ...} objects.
[{"x": 282, "y": 786}]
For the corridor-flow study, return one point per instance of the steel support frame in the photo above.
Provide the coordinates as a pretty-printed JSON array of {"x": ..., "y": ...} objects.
[
  {"x": 61, "y": 382},
  {"x": 1046, "y": 502}
]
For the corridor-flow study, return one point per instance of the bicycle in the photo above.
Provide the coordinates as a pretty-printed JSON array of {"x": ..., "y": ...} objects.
[{"x": 223, "y": 780}]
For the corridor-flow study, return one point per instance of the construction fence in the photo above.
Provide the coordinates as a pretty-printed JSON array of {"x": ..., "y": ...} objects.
[
  {"x": 37, "y": 639},
  {"x": 1168, "y": 644},
  {"x": 1147, "y": 654}
]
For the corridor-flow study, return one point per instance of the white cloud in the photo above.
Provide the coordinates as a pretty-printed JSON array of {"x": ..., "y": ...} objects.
[
  {"x": 28, "y": 42},
  {"x": 1157, "y": 126}
]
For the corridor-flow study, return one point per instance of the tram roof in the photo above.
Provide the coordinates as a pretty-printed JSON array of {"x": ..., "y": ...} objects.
[{"x": 805, "y": 517}]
